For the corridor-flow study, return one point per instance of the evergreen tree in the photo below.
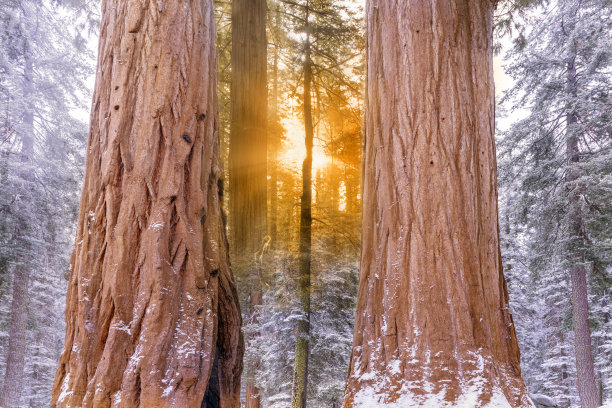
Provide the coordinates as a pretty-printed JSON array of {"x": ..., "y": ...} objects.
[
  {"x": 41, "y": 144},
  {"x": 326, "y": 43},
  {"x": 557, "y": 159},
  {"x": 334, "y": 96}
]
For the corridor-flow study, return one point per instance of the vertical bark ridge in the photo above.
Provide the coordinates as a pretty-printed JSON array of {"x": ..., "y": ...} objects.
[{"x": 151, "y": 295}]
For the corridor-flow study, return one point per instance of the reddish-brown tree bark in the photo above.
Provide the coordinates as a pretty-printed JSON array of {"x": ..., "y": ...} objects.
[
  {"x": 432, "y": 324},
  {"x": 248, "y": 180},
  {"x": 248, "y": 134},
  {"x": 151, "y": 299}
]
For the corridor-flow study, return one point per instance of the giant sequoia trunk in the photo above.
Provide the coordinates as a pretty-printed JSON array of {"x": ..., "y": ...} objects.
[
  {"x": 248, "y": 156},
  {"x": 151, "y": 299},
  {"x": 432, "y": 324},
  {"x": 248, "y": 137}
]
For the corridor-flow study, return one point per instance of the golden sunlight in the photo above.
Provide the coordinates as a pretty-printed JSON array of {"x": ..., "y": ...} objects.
[{"x": 294, "y": 149}]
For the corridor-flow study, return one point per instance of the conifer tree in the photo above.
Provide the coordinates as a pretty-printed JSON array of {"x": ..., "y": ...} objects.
[
  {"x": 40, "y": 158},
  {"x": 557, "y": 158}
]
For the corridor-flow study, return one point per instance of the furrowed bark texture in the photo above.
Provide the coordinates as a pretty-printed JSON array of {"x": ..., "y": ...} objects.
[
  {"x": 432, "y": 322},
  {"x": 248, "y": 181},
  {"x": 151, "y": 299}
]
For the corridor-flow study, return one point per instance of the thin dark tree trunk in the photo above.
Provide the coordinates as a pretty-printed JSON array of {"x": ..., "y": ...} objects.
[
  {"x": 585, "y": 371},
  {"x": 10, "y": 396},
  {"x": 13, "y": 378},
  {"x": 274, "y": 140},
  {"x": 302, "y": 347}
]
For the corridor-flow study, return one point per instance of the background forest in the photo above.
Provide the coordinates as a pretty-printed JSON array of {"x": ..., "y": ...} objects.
[{"x": 554, "y": 145}]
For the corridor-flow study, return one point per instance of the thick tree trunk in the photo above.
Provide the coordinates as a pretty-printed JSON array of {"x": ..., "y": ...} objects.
[
  {"x": 248, "y": 137},
  {"x": 585, "y": 371},
  {"x": 10, "y": 397},
  {"x": 302, "y": 346},
  {"x": 248, "y": 181},
  {"x": 432, "y": 324},
  {"x": 151, "y": 299}
]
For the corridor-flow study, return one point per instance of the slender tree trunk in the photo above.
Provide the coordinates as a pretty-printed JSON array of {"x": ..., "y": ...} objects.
[
  {"x": 432, "y": 325},
  {"x": 13, "y": 377},
  {"x": 587, "y": 385},
  {"x": 351, "y": 193},
  {"x": 10, "y": 397},
  {"x": 334, "y": 193},
  {"x": 302, "y": 347},
  {"x": 274, "y": 141},
  {"x": 152, "y": 304},
  {"x": 248, "y": 156}
]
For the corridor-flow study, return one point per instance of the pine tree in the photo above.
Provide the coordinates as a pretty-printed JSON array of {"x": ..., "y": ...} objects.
[
  {"x": 328, "y": 35},
  {"x": 558, "y": 158},
  {"x": 40, "y": 144}
]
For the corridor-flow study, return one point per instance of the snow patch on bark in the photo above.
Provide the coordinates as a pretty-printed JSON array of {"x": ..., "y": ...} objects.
[
  {"x": 122, "y": 326},
  {"x": 369, "y": 397},
  {"x": 64, "y": 390},
  {"x": 382, "y": 389},
  {"x": 116, "y": 398},
  {"x": 167, "y": 390}
]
